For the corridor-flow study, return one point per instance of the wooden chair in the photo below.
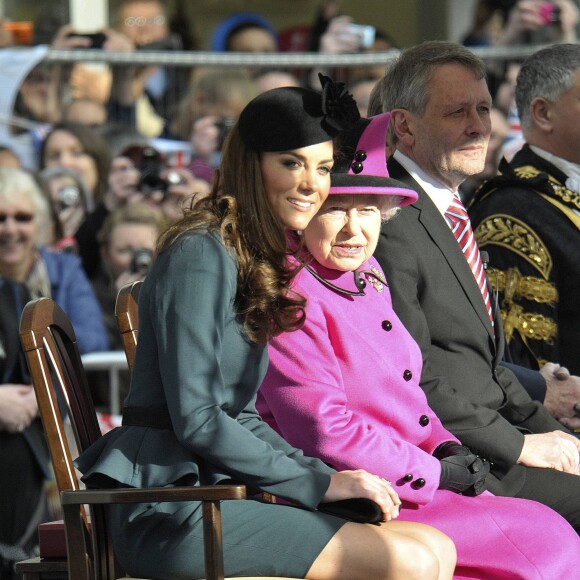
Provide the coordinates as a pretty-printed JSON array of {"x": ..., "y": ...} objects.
[
  {"x": 126, "y": 311},
  {"x": 58, "y": 376}
]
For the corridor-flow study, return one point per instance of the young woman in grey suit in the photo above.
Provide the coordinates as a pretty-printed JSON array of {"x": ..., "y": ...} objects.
[{"x": 217, "y": 291}]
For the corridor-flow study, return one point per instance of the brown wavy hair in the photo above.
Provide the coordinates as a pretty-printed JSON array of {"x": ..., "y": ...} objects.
[{"x": 238, "y": 209}]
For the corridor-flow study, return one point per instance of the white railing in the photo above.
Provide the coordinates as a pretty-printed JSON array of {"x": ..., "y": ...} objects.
[
  {"x": 268, "y": 60},
  {"x": 113, "y": 362}
]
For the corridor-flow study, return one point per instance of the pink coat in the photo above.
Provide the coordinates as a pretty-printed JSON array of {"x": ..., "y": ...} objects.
[
  {"x": 331, "y": 386},
  {"x": 345, "y": 388}
]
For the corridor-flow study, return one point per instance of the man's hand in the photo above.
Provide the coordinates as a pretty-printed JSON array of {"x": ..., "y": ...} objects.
[
  {"x": 555, "y": 450},
  {"x": 562, "y": 394}
]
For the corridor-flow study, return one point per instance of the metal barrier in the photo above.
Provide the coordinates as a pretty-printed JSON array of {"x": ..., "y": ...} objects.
[{"x": 264, "y": 60}]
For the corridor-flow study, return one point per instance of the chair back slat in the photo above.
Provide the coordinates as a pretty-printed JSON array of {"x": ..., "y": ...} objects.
[{"x": 60, "y": 383}]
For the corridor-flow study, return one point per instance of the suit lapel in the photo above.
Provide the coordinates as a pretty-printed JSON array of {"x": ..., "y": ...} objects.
[{"x": 437, "y": 229}]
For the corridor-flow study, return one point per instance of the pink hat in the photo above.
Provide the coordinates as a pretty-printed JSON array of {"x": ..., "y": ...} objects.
[{"x": 360, "y": 165}]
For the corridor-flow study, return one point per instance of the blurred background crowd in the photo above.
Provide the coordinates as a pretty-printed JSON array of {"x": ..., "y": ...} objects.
[{"x": 97, "y": 159}]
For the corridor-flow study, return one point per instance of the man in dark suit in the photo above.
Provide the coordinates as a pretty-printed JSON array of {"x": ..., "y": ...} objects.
[{"x": 440, "y": 105}]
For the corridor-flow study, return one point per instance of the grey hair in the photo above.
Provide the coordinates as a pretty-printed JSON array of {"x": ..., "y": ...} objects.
[
  {"x": 18, "y": 183},
  {"x": 385, "y": 203},
  {"x": 375, "y": 106},
  {"x": 406, "y": 83},
  {"x": 547, "y": 73}
]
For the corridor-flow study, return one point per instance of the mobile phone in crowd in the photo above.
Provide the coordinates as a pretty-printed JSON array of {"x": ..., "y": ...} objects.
[
  {"x": 550, "y": 13},
  {"x": 366, "y": 33},
  {"x": 97, "y": 38}
]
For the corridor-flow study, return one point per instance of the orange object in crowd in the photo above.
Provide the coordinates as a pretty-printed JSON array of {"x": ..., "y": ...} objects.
[{"x": 21, "y": 31}]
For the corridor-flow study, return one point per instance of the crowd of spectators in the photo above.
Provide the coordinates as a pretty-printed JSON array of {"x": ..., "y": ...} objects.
[
  {"x": 105, "y": 139},
  {"x": 116, "y": 153}
]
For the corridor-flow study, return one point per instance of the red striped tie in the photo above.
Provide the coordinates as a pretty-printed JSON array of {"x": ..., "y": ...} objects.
[{"x": 461, "y": 228}]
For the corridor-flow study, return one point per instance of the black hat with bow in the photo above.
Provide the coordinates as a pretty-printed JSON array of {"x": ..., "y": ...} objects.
[{"x": 289, "y": 118}]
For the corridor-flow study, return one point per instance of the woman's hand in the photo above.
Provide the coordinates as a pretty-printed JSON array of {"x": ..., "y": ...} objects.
[
  {"x": 569, "y": 17},
  {"x": 183, "y": 185},
  {"x": 123, "y": 183},
  {"x": 18, "y": 407},
  {"x": 361, "y": 483},
  {"x": 205, "y": 137},
  {"x": 128, "y": 277},
  {"x": 339, "y": 38},
  {"x": 71, "y": 219}
]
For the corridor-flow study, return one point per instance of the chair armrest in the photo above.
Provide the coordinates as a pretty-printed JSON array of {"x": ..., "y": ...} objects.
[{"x": 153, "y": 494}]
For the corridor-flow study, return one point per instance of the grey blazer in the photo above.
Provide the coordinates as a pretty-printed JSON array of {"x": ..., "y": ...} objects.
[{"x": 435, "y": 295}]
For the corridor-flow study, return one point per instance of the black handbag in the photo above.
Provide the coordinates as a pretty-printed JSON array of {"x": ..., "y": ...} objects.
[{"x": 360, "y": 510}]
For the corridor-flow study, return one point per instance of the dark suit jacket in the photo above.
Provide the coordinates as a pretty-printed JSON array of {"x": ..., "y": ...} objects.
[
  {"x": 13, "y": 369},
  {"x": 13, "y": 297},
  {"x": 435, "y": 295}
]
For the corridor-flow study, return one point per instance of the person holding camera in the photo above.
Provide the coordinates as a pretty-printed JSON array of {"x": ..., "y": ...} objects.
[
  {"x": 143, "y": 95},
  {"x": 139, "y": 175},
  {"x": 207, "y": 113},
  {"x": 146, "y": 24},
  {"x": 523, "y": 22},
  {"x": 70, "y": 202},
  {"x": 103, "y": 87},
  {"x": 26, "y": 258},
  {"x": 81, "y": 149},
  {"x": 127, "y": 241}
]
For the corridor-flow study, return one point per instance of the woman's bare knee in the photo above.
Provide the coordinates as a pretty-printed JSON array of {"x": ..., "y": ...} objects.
[
  {"x": 363, "y": 551},
  {"x": 439, "y": 543}
]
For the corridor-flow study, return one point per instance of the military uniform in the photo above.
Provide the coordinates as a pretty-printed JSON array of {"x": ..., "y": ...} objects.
[{"x": 528, "y": 221}]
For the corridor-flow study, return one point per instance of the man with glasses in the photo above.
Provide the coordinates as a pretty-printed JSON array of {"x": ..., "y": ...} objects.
[
  {"x": 143, "y": 21},
  {"x": 146, "y": 24}
]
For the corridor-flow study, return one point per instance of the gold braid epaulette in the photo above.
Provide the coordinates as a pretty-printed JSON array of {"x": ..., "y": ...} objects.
[
  {"x": 513, "y": 234},
  {"x": 513, "y": 285},
  {"x": 528, "y": 325},
  {"x": 561, "y": 192}
]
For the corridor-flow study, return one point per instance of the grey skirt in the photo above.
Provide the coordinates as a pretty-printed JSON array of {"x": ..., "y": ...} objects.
[{"x": 165, "y": 540}]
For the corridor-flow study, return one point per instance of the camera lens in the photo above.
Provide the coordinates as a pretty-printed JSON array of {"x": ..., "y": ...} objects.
[
  {"x": 69, "y": 196},
  {"x": 150, "y": 166},
  {"x": 152, "y": 182},
  {"x": 141, "y": 261}
]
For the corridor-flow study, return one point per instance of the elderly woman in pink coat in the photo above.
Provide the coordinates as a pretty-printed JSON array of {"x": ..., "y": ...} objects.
[{"x": 345, "y": 387}]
